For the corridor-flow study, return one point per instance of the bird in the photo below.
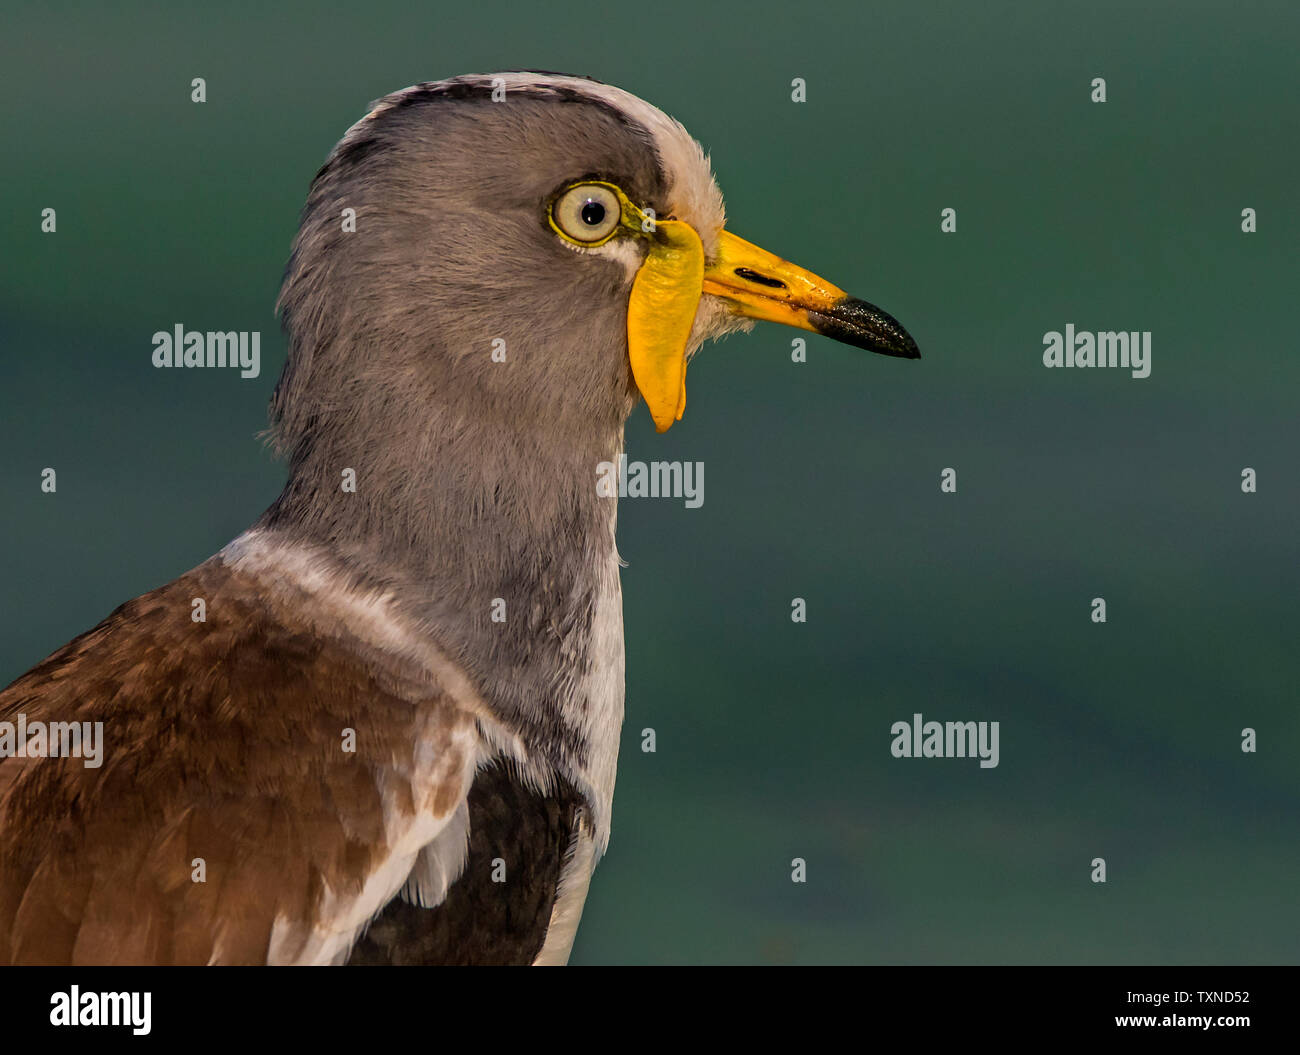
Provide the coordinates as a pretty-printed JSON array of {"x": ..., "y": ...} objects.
[{"x": 392, "y": 735}]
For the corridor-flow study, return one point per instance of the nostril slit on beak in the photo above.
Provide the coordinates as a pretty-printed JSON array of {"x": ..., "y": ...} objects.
[{"x": 762, "y": 280}]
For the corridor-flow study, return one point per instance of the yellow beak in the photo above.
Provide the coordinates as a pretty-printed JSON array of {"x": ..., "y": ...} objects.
[{"x": 755, "y": 284}]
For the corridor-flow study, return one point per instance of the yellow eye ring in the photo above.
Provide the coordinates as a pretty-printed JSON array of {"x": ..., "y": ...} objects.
[{"x": 590, "y": 213}]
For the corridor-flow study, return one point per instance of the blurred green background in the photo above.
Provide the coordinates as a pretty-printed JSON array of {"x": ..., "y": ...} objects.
[{"x": 822, "y": 479}]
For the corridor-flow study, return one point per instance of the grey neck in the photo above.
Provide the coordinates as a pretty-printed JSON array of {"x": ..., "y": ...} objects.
[{"x": 492, "y": 540}]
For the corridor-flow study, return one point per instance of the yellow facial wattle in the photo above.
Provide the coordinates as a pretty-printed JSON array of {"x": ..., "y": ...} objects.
[{"x": 660, "y": 314}]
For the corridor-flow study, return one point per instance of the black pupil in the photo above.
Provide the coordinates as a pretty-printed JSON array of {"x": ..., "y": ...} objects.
[{"x": 593, "y": 213}]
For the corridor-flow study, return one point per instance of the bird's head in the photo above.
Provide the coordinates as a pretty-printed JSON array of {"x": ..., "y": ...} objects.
[{"x": 526, "y": 248}]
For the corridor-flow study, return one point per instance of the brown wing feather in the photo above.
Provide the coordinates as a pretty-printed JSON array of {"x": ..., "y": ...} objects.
[{"x": 222, "y": 740}]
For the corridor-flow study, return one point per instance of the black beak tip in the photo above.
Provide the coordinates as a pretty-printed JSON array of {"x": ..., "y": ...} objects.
[{"x": 863, "y": 325}]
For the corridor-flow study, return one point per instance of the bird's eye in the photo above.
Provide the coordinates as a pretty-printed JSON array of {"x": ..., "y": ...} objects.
[{"x": 588, "y": 213}]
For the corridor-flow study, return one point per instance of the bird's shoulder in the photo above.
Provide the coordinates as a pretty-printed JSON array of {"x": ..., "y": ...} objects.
[{"x": 263, "y": 783}]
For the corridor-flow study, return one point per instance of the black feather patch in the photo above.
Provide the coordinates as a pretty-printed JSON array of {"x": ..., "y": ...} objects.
[{"x": 482, "y": 921}]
